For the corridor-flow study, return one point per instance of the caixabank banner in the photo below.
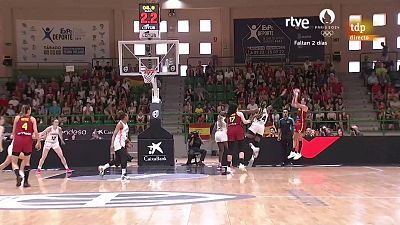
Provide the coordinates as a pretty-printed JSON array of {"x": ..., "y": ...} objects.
[
  {"x": 156, "y": 152},
  {"x": 61, "y": 41},
  {"x": 273, "y": 39}
]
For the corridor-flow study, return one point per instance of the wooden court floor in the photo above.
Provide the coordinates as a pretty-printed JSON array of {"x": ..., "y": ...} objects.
[{"x": 274, "y": 195}]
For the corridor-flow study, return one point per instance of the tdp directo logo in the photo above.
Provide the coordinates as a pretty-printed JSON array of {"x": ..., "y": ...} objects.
[{"x": 359, "y": 30}]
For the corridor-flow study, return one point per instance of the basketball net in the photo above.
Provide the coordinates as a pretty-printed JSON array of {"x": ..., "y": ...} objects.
[{"x": 149, "y": 77}]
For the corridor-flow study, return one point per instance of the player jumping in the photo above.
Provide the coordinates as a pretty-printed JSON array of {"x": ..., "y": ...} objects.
[
  {"x": 301, "y": 124},
  {"x": 256, "y": 130}
]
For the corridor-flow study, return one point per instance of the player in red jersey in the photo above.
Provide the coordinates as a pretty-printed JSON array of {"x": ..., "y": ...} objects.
[
  {"x": 236, "y": 136},
  {"x": 301, "y": 124},
  {"x": 24, "y": 129}
]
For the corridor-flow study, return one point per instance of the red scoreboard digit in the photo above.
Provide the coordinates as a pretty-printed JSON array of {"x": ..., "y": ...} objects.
[{"x": 149, "y": 21}]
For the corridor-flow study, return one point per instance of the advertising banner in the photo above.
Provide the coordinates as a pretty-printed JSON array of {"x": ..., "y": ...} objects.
[
  {"x": 274, "y": 39},
  {"x": 61, "y": 41},
  {"x": 88, "y": 132}
]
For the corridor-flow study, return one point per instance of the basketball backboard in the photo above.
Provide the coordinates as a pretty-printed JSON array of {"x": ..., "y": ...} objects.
[{"x": 136, "y": 56}]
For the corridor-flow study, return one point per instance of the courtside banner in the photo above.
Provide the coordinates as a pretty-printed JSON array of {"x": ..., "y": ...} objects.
[
  {"x": 275, "y": 39},
  {"x": 203, "y": 129},
  {"x": 61, "y": 40},
  {"x": 79, "y": 132},
  {"x": 88, "y": 132}
]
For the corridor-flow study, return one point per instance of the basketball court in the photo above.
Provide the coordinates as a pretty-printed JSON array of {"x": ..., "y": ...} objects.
[
  {"x": 160, "y": 190},
  {"x": 191, "y": 195}
]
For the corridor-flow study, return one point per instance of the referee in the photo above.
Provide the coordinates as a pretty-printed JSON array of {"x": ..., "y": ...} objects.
[{"x": 285, "y": 135}]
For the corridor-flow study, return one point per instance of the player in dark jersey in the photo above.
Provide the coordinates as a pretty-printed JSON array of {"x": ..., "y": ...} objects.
[
  {"x": 300, "y": 125},
  {"x": 235, "y": 133},
  {"x": 24, "y": 129}
]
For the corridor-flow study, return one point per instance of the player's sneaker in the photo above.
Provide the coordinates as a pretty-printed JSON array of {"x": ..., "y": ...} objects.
[
  {"x": 26, "y": 184},
  {"x": 124, "y": 177},
  {"x": 38, "y": 171},
  {"x": 297, "y": 156},
  {"x": 19, "y": 181},
  {"x": 256, "y": 151},
  {"x": 101, "y": 170},
  {"x": 242, "y": 167},
  {"x": 69, "y": 170},
  {"x": 229, "y": 170},
  {"x": 242, "y": 178},
  {"x": 292, "y": 154}
]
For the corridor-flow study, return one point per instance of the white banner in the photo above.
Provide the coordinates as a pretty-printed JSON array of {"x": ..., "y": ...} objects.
[{"x": 62, "y": 41}]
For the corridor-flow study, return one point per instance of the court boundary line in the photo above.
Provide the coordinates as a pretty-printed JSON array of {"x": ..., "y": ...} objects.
[
  {"x": 331, "y": 196},
  {"x": 145, "y": 179}
]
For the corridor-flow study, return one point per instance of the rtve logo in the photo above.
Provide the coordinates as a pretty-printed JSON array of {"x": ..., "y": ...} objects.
[{"x": 300, "y": 22}]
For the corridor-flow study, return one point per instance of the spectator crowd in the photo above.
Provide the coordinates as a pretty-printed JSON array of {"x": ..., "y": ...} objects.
[
  {"x": 261, "y": 84},
  {"x": 380, "y": 79},
  {"x": 92, "y": 96}
]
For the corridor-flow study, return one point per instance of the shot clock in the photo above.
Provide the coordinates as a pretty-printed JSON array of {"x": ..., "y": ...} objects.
[{"x": 149, "y": 21}]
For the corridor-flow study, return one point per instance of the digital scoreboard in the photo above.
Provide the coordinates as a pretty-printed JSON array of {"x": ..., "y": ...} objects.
[{"x": 149, "y": 21}]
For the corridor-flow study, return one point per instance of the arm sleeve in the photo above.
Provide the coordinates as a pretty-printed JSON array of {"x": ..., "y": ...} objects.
[
  {"x": 276, "y": 102},
  {"x": 279, "y": 124},
  {"x": 241, "y": 115},
  {"x": 292, "y": 121}
]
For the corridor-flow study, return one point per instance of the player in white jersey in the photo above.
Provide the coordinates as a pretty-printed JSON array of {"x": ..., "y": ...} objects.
[
  {"x": 256, "y": 130},
  {"x": 51, "y": 135},
  {"x": 1, "y": 133},
  {"x": 221, "y": 136},
  {"x": 118, "y": 146}
]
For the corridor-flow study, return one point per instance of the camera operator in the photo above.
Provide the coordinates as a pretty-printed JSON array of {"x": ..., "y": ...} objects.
[
  {"x": 309, "y": 135},
  {"x": 195, "y": 143},
  {"x": 325, "y": 132},
  {"x": 354, "y": 131}
]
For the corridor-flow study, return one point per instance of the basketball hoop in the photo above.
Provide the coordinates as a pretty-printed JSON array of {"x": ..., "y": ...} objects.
[{"x": 148, "y": 75}]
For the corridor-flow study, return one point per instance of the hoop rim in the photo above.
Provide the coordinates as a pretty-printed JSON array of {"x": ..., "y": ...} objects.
[{"x": 148, "y": 75}]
